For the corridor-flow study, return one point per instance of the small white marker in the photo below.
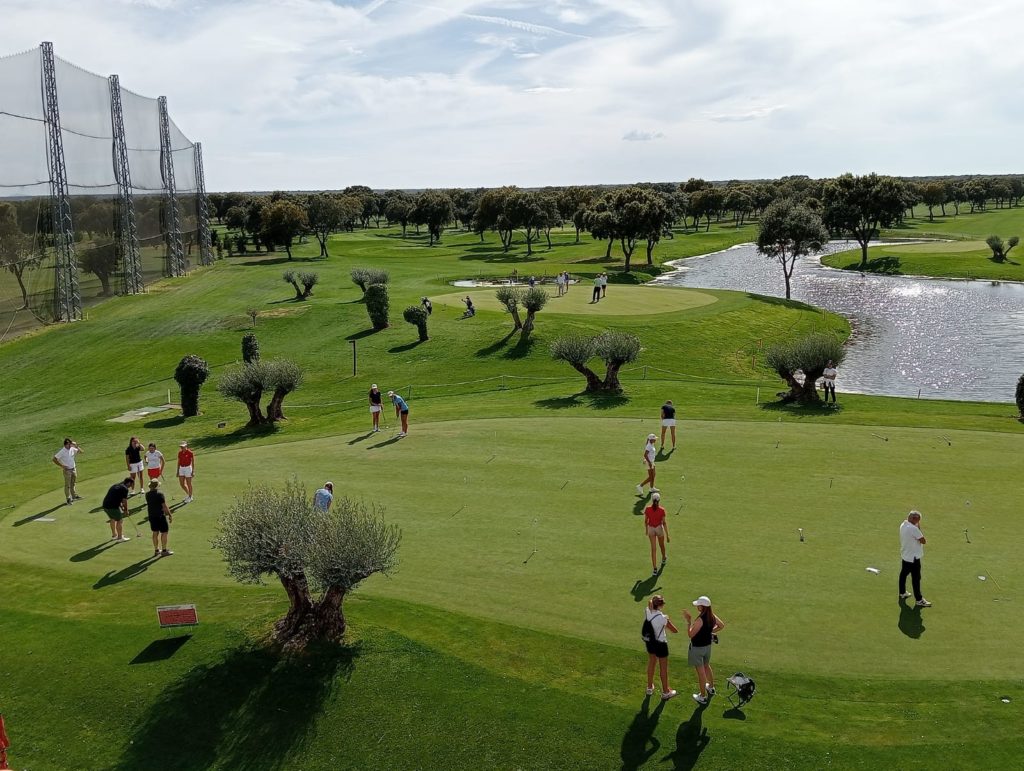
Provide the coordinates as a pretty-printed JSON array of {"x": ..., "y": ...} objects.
[
  {"x": 982, "y": 578},
  {"x": 876, "y": 571}
]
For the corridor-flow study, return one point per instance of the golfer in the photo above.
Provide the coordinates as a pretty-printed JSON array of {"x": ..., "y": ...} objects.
[
  {"x": 656, "y": 528},
  {"x": 65, "y": 458},
  {"x": 115, "y": 504},
  {"x": 702, "y": 632},
  {"x": 650, "y": 451},
  {"x": 828, "y": 381},
  {"x": 567, "y": 281},
  {"x": 427, "y": 305},
  {"x": 133, "y": 459},
  {"x": 668, "y": 420},
  {"x": 154, "y": 462},
  {"x": 160, "y": 519},
  {"x": 657, "y": 645},
  {"x": 401, "y": 411},
  {"x": 375, "y": 407},
  {"x": 597, "y": 289},
  {"x": 912, "y": 543},
  {"x": 470, "y": 310},
  {"x": 186, "y": 470},
  {"x": 324, "y": 497},
  {"x": 560, "y": 283},
  {"x": 604, "y": 284}
]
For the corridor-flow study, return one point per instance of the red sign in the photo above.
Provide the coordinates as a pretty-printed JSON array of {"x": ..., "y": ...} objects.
[{"x": 177, "y": 615}]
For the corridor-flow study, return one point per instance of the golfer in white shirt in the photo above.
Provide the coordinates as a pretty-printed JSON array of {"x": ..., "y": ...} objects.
[
  {"x": 912, "y": 543},
  {"x": 650, "y": 452}
]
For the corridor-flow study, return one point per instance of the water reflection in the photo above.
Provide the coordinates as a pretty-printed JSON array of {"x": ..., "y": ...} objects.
[{"x": 948, "y": 339}]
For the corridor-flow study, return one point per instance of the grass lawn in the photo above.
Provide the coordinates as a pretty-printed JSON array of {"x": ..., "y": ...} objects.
[
  {"x": 509, "y": 636},
  {"x": 963, "y": 255}
]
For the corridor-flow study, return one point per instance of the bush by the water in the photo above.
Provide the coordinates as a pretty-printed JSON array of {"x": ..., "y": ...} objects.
[
  {"x": 1019, "y": 397},
  {"x": 809, "y": 354}
]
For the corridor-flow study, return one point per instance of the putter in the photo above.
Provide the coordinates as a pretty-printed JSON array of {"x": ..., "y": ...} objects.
[{"x": 883, "y": 438}]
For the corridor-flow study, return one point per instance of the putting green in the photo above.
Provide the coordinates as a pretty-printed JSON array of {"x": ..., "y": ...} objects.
[
  {"x": 619, "y": 301},
  {"x": 476, "y": 498}
]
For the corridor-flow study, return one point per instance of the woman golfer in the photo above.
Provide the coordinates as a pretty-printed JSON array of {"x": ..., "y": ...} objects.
[
  {"x": 702, "y": 631},
  {"x": 657, "y": 645},
  {"x": 133, "y": 458},
  {"x": 650, "y": 452},
  {"x": 656, "y": 527},
  {"x": 401, "y": 412},
  {"x": 154, "y": 462},
  {"x": 375, "y": 397}
]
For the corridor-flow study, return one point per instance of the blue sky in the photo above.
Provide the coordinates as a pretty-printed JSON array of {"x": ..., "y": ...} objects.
[{"x": 302, "y": 94}]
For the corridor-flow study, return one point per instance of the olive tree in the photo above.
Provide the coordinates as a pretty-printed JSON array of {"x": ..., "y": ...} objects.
[
  {"x": 249, "y": 382},
  {"x": 364, "y": 277},
  {"x": 278, "y": 532},
  {"x": 789, "y": 230},
  {"x": 191, "y": 373},
  {"x": 1019, "y": 396},
  {"x": 534, "y": 299},
  {"x": 1001, "y": 249},
  {"x": 510, "y": 298},
  {"x": 417, "y": 316},
  {"x": 615, "y": 349},
  {"x": 810, "y": 355}
]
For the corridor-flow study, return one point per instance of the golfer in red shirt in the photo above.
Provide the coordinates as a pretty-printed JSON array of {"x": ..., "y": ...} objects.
[
  {"x": 656, "y": 527},
  {"x": 186, "y": 470}
]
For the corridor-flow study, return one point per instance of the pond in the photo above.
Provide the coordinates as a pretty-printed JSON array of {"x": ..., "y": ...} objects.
[{"x": 924, "y": 337}]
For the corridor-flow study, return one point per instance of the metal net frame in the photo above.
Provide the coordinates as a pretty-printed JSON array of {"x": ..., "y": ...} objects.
[{"x": 100, "y": 192}]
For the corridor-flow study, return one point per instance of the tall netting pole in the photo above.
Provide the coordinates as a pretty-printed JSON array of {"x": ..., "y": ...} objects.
[
  {"x": 202, "y": 207},
  {"x": 128, "y": 232},
  {"x": 68, "y": 297},
  {"x": 176, "y": 261}
]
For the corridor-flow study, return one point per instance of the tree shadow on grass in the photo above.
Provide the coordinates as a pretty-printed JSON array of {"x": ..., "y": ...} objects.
[
  {"x": 639, "y": 744},
  {"x": 584, "y": 399},
  {"x": 280, "y": 261},
  {"x": 493, "y": 348},
  {"x": 254, "y": 709},
  {"x": 243, "y": 434},
  {"x": 160, "y": 650},
  {"x": 34, "y": 517},
  {"x": 767, "y": 300},
  {"x": 495, "y": 255},
  {"x": 800, "y": 410},
  {"x": 117, "y": 576},
  {"x": 92, "y": 551},
  {"x": 406, "y": 347},
  {"x": 691, "y": 740},
  {"x": 521, "y": 349},
  {"x": 174, "y": 420},
  {"x": 1004, "y": 261},
  {"x": 364, "y": 333}
]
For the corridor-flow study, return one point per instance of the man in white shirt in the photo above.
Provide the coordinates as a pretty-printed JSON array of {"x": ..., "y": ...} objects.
[
  {"x": 912, "y": 543},
  {"x": 828, "y": 381},
  {"x": 65, "y": 458}
]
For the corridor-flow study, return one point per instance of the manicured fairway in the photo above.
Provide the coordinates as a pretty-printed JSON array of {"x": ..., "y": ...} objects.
[
  {"x": 509, "y": 637},
  {"x": 618, "y": 301}
]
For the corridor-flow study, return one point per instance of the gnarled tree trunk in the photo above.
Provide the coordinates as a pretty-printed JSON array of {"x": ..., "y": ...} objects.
[
  {"x": 274, "y": 408},
  {"x": 299, "y": 606}
]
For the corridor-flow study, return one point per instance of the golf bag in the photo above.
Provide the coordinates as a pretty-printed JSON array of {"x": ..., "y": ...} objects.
[{"x": 741, "y": 690}]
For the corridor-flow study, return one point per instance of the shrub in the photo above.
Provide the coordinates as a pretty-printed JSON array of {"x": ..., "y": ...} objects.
[
  {"x": 1020, "y": 396},
  {"x": 377, "y": 305},
  {"x": 191, "y": 373},
  {"x": 534, "y": 299},
  {"x": 289, "y": 278},
  {"x": 1001, "y": 249},
  {"x": 363, "y": 277},
  {"x": 417, "y": 316},
  {"x": 250, "y": 348},
  {"x": 616, "y": 349},
  {"x": 308, "y": 279},
  {"x": 510, "y": 298},
  {"x": 241, "y": 244},
  {"x": 809, "y": 354},
  {"x": 248, "y": 383}
]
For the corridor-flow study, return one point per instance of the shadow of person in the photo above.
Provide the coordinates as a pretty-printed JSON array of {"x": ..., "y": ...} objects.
[
  {"x": 640, "y": 505},
  {"x": 386, "y": 442},
  {"x": 40, "y": 515},
  {"x": 92, "y": 551},
  {"x": 643, "y": 589},
  {"x": 638, "y": 743},
  {"x": 117, "y": 576},
  {"x": 910, "y": 623},
  {"x": 364, "y": 437},
  {"x": 691, "y": 740}
]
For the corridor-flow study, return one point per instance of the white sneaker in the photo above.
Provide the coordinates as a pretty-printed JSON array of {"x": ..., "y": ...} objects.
[
  {"x": 639, "y": 489},
  {"x": 904, "y": 595},
  {"x": 702, "y": 700},
  {"x": 666, "y": 695},
  {"x": 401, "y": 434},
  {"x": 124, "y": 538},
  {"x": 650, "y": 691},
  {"x": 923, "y": 603}
]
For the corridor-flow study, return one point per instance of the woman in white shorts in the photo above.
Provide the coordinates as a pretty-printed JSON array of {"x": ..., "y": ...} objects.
[
  {"x": 133, "y": 459},
  {"x": 375, "y": 406},
  {"x": 650, "y": 452},
  {"x": 668, "y": 420}
]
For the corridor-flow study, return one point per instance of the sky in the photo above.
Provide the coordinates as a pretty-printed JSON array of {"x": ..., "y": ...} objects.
[{"x": 315, "y": 94}]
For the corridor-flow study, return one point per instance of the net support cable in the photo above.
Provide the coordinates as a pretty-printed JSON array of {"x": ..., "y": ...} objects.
[
  {"x": 68, "y": 296},
  {"x": 202, "y": 207},
  {"x": 128, "y": 232},
  {"x": 176, "y": 251}
]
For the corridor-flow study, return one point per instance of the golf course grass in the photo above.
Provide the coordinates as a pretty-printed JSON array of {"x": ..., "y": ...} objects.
[
  {"x": 955, "y": 248},
  {"x": 509, "y": 636}
]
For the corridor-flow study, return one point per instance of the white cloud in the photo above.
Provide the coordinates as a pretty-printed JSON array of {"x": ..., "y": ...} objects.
[
  {"x": 325, "y": 93},
  {"x": 636, "y": 135}
]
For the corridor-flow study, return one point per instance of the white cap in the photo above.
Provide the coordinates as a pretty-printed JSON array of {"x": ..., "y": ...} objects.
[
  {"x": 391, "y": 393},
  {"x": 703, "y": 601},
  {"x": 329, "y": 485},
  {"x": 656, "y": 497},
  {"x": 183, "y": 444},
  {"x": 374, "y": 385},
  {"x": 651, "y": 437}
]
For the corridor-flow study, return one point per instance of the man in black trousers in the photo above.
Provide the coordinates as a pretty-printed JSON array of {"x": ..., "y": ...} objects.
[{"x": 912, "y": 543}]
